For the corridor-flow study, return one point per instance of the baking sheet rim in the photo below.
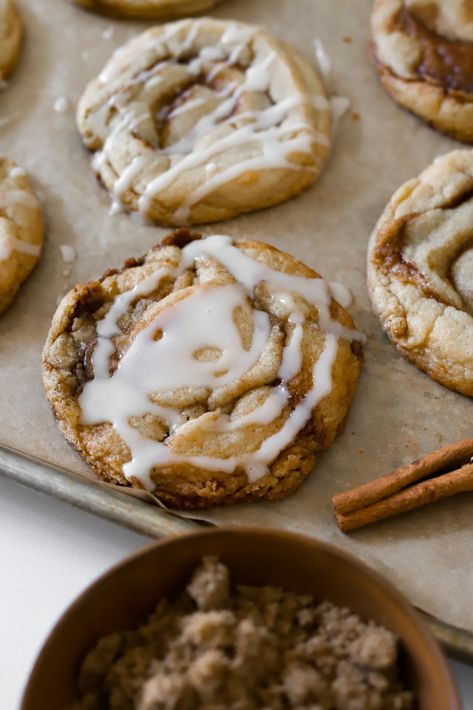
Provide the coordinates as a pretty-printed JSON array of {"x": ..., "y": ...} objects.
[{"x": 145, "y": 518}]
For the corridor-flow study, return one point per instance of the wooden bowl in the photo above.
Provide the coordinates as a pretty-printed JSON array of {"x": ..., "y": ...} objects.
[{"x": 123, "y": 597}]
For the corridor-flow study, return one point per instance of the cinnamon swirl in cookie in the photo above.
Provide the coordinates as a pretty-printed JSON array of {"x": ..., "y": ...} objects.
[
  {"x": 10, "y": 38},
  {"x": 152, "y": 9},
  {"x": 424, "y": 58},
  {"x": 420, "y": 270},
  {"x": 21, "y": 230},
  {"x": 208, "y": 371},
  {"x": 201, "y": 120}
]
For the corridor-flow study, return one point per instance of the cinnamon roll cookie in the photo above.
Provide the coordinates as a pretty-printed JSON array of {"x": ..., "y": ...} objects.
[
  {"x": 420, "y": 270},
  {"x": 152, "y": 9},
  {"x": 424, "y": 58},
  {"x": 202, "y": 120},
  {"x": 208, "y": 371},
  {"x": 10, "y": 38},
  {"x": 21, "y": 230}
]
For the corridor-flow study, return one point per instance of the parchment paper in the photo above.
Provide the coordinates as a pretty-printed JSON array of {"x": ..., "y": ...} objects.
[{"x": 398, "y": 414}]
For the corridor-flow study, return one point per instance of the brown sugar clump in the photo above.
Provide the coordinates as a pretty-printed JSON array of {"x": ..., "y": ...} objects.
[{"x": 218, "y": 648}]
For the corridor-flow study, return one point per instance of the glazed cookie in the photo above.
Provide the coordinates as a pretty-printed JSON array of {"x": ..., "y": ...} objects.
[
  {"x": 207, "y": 372},
  {"x": 420, "y": 270},
  {"x": 424, "y": 58},
  {"x": 21, "y": 230},
  {"x": 10, "y": 38},
  {"x": 153, "y": 9},
  {"x": 201, "y": 120}
]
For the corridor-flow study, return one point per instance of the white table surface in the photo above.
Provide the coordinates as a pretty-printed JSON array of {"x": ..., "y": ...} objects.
[{"x": 50, "y": 551}]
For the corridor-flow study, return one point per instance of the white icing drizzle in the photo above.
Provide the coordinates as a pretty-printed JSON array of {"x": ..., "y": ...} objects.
[
  {"x": 275, "y": 155},
  {"x": 238, "y": 35},
  {"x": 125, "y": 180},
  {"x": 191, "y": 35},
  {"x": 61, "y": 104},
  {"x": 323, "y": 60},
  {"x": 277, "y": 146},
  {"x": 277, "y": 130},
  {"x": 164, "y": 357},
  {"x": 189, "y": 106},
  {"x": 68, "y": 253},
  {"x": 341, "y": 294},
  {"x": 16, "y": 171},
  {"x": 439, "y": 158},
  {"x": 9, "y": 244},
  {"x": 339, "y": 105},
  {"x": 11, "y": 198}
]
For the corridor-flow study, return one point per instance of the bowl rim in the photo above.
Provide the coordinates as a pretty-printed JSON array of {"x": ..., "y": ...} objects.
[{"x": 387, "y": 587}]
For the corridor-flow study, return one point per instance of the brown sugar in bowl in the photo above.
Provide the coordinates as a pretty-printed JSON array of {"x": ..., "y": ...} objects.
[{"x": 123, "y": 597}]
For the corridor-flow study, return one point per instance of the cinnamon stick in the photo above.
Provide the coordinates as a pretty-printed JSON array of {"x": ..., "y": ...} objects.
[{"x": 394, "y": 493}]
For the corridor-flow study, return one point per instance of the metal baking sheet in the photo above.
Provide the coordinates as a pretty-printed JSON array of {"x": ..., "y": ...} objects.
[
  {"x": 110, "y": 503},
  {"x": 398, "y": 413}
]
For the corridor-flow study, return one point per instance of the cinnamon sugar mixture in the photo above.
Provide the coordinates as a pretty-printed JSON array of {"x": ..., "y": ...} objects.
[{"x": 218, "y": 649}]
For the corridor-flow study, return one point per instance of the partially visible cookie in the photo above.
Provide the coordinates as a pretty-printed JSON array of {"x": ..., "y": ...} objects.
[
  {"x": 10, "y": 38},
  {"x": 153, "y": 9},
  {"x": 208, "y": 371},
  {"x": 424, "y": 58},
  {"x": 420, "y": 270},
  {"x": 21, "y": 230},
  {"x": 202, "y": 120}
]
